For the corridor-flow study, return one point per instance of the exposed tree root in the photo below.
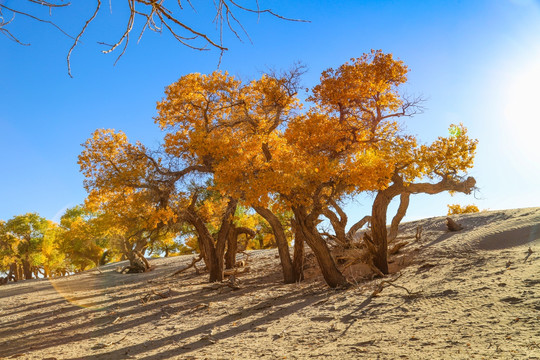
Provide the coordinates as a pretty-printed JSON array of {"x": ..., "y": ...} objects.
[
  {"x": 395, "y": 249},
  {"x": 154, "y": 295},
  {"x": 192, "y": 265},
  {"x": 381, "y": 286},
  {"x": 419, "y": 230}
]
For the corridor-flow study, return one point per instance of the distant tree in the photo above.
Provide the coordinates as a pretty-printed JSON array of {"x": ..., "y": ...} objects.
[
  {"x": 155, "y": 15},
  {"x": 83, "y": 238},
  {"x": 21, "y": 244},
  {"x": 458, "y": 209}
]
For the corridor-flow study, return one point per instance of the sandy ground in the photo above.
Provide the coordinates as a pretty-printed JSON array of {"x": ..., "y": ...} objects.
[{"x": 468, "y": 294}]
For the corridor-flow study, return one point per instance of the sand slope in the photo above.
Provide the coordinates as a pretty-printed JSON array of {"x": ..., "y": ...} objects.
[{"x": 469, "y": 294}]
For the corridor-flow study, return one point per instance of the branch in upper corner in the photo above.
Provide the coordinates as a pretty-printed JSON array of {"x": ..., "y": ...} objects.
[{"x": 156, "y": 18}]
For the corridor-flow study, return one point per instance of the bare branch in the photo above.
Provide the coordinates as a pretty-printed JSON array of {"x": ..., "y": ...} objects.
[
  {"x": 34, "y": 18},
  {"x": 269, "y": 11},
  {"x": 153, "y": 11},
  {"x": 80, "y": 34},
  {"x": 48, "y": 3}
]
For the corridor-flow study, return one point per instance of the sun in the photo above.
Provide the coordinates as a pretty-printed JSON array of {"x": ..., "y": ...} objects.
[{"x": 522, "y": 111}]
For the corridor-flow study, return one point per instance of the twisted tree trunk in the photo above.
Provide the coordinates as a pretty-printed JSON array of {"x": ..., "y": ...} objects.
[
  {"x": 289, "y": 274},
  {"x": 213, "y": 250},
  {"x": 383, "y": 199},
  {"x": 401, "y": 212},
  {"x": 232, "y": 244},
  {"x": 378, "y": 231},
  {"x": 305, "y": 223}
]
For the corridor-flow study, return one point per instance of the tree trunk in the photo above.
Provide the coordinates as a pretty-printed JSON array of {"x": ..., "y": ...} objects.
[
  {"x": 378, "y": 230},
  {"x": 289, "y": 276},
  {"x": 232, "y": 249},
  {"x": 213, "y": 251},
  {"x": 46, "y": 271},
  {"x": 226, "y": 231},
  {"x": 332, "y": 275},
  {"x": 208, "y": 251},
  {"x": 27, "y": 270},
  {"x": 12, "y": 275},
  {"x": 401, "y": 212},
  {"x": 298, "y": 256},
  {"x": 383, "y": 198},
  {"x": 20, "y": 272}
]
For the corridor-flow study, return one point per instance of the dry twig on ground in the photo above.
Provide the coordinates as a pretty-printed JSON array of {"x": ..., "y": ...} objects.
[
  {"x": 192, "y": 265},
  {"x": 381, "y": 286}
]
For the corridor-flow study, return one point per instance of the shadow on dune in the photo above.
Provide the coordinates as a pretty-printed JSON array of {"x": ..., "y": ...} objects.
[{"x": 510, "y": 238}]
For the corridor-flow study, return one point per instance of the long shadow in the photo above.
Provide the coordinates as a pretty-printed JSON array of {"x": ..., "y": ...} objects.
[
  {"x": 57, "y": 336},
  {"x": 297, "y": 300},
  {"x": 54, "y": 319},
  {"x": 41, "y": 304},
  {"x": 77, "y": 302},
  {"x": 56, "y": 286},
  {"x": 106, "y": 273},
  {"x": 22, "y": 287}
]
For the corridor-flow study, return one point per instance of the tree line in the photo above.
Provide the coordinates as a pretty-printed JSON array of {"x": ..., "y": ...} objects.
[{"x": 33, "y": 247}]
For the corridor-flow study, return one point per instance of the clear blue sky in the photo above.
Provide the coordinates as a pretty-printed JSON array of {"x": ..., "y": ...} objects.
[{"x": 476, "y": 62}]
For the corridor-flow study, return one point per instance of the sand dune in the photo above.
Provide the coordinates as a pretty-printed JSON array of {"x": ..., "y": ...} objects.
[{"x": 458, "y": 295}]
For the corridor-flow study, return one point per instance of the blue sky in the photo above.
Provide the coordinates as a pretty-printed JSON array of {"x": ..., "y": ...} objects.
[{"x": 476, "y": 62}]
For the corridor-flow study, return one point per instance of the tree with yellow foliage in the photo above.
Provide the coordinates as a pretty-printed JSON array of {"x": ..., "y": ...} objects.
[
  {"x": 147, "y": 193},
  {"x": 442, "y": 165},
  {"x": 28, "y": 247},
  {"x": 362, "y": 101},
  {"x": 456, "y": 209},
  {"x": 82, "y": 238},
  {"x": 231, "y": 128}
]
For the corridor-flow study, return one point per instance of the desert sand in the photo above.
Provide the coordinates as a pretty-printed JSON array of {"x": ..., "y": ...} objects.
[{"x": 474, "y": 293}]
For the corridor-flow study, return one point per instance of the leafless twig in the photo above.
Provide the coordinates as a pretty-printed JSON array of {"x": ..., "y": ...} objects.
[{"x": 156, "y": 18}]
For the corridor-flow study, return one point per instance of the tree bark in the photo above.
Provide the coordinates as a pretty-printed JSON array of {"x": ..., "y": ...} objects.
[
  {"x": 289, "y": 275},
  {"x": 338, "y": 223},
  {"x": 232, "y": 245},
  {"x": 401, "y": 212},
  {"x": 213, "y": 250},
  {"x": 27, "y": 269},
  {"x": 306, "y": 225},
  {"x": 299, "y": 254},
  {"x": 378, "y": 230},
  {"x": 20, "y": 272},
  {"x": 226, "y": 231},
  {"x": 232, "y": 249}
]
